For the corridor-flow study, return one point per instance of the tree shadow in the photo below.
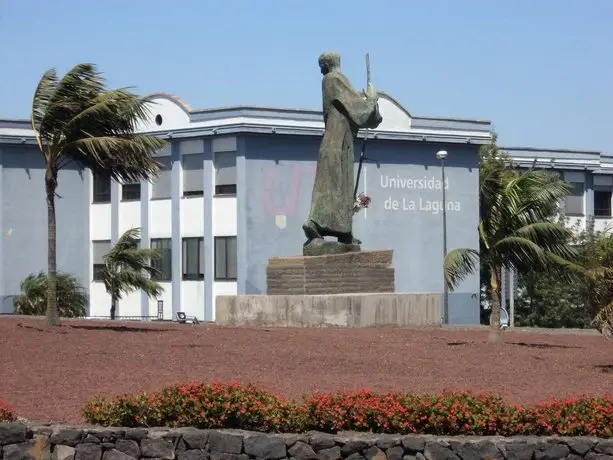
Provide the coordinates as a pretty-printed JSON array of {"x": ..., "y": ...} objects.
[
  {"x": 42, "y": 329},
  {"x": 606, "y": 368},
  {"x": 193, "y": 345},
  {"x": 541, "y": 345},
  {"x": 120, "y": 328}
]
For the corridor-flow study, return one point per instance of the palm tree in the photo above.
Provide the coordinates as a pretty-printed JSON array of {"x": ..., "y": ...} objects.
[
  {"x": 516, "y": 228},
  {"x": 128, "y": 268},
  {"x": 76, "y": 119},
  {"x": 72, "y": 298}
]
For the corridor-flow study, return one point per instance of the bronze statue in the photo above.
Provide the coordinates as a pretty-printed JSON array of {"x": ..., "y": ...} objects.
[{"x": 332, "y": 203}]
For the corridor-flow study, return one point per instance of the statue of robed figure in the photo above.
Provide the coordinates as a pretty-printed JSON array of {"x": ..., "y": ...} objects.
[{"x": 345, "y": 112}]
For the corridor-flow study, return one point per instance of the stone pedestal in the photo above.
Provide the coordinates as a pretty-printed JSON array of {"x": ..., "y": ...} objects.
[
  {"x": 348, "y": 273},
  {"x": 340, "y": 310}
]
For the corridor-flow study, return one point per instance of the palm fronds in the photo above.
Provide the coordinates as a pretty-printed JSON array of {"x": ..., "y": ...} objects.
[
  {"x": 128, "y": 268},
  {"x": 77, "y": 119}
]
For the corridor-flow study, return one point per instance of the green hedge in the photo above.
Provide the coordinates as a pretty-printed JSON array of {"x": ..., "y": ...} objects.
[{"x": 221, "y": 405}]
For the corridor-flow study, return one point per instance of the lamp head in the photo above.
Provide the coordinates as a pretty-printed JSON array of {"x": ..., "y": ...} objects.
[{"x": 441, "y": 154}]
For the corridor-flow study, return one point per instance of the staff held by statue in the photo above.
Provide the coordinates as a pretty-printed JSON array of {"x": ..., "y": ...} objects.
[{"x": 361, "y": 200}]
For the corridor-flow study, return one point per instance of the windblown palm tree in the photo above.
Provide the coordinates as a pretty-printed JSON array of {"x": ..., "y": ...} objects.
[
  {"x": 76, "y": 119},
  {"x": 516, "y": 228},
  {"x": 128, "y": 268}
]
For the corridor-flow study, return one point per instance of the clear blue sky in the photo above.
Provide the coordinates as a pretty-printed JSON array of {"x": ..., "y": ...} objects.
[{"x": 541, "y": 70}]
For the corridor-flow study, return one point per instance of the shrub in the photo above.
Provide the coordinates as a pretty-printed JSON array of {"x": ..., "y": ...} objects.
[
  {"x": 6, "y": 413},
  {"x": 214, "y": 405},
  {"x": 72, "y": 298},
  {"x": 220, "y": 405}
]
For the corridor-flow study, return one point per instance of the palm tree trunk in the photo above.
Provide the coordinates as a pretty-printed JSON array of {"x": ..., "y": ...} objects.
[
  {"x": 495, "y": 335},
  {"x": 496, "y": 299},
  {"x": 113, "y": 306},
  {"x": 53, "y": 317}
]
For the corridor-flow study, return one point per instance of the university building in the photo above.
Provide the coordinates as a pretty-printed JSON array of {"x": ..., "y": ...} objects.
[{"x": 235, "y": 190}]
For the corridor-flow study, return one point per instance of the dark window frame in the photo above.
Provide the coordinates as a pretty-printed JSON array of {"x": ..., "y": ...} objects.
[
  {"x": 193, "y": 193},
  {"x": 131, "y": 192},
  {"x": 599, "y": 209},
  {"x": 97, "y": 262},
  {"x": 219, "y": 164},
  {"x": 166, "y": 169},
  {"x": 574, "y": 193},
  {"x": 97, "y": 273},
  {"x": 186, "y": 258},
  {"x": 165, "y": 247},
  {"x": 225, "y": 190},
  {"x": 200, "y": 169},
  {"x": 101, "y": 194},
  {"x": 225, "y": 276}
]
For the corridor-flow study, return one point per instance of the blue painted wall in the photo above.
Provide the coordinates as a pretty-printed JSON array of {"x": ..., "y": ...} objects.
[
  {"x": 24, "y": 221},
  {"x": 279, "y": 173}
]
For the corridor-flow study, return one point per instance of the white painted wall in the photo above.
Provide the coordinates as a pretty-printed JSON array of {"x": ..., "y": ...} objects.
[
  {"x": 192, "y": 216},
  {"x": 225, "y": 216},
  {"x": 602, "y": 224},
  {"x": 192, "y": 298},
  {"x": 129, "y": 215},
  {"x": 100, "y": 221},
  {"x": 395, "y": 118},
  {"x": 100, "y": 302},
  {"x": 173, "y": 116},
  {"x": 160, "y": 219}
]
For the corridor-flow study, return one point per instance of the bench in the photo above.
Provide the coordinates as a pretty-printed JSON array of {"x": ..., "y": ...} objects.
[{"x": 184, "y": 319}]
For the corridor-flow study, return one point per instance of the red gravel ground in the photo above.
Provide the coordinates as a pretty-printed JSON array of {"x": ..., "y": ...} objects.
[{"x": 47, "y": 375}]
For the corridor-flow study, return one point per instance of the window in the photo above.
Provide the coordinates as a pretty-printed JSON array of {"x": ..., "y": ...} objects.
[
  {"x": 193, "y": 258},
  {"x": 130, "y": 192},
  {"x": 161, "y": 187},
  {"x": 102, "y": 188},
  {"x": 193, "y": 176},
  {"x": 603, "y": 191},
  {"x": 100, "y": 249},
  {"x": 164, "y": 263},
  {"x": 573, "y": 204},
  {"x": 225, "y": 173},
  {"x": 602, "y": 201},
  {"x": 225, "y": 258}
]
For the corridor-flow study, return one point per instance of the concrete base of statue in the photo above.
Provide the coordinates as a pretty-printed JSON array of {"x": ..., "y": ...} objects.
[
  {"x": 338, "y": 310},
  {"x": 352, "y": 289}
]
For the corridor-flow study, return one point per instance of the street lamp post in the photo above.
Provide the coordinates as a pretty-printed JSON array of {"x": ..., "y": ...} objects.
[{"x": 441, "y": 155}]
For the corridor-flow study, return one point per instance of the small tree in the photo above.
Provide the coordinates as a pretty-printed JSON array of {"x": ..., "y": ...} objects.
[
  {"x": 128, "y": 268},
  {"x": 72, "y": 298}
]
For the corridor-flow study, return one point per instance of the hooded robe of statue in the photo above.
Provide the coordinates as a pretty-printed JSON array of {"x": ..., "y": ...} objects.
[{"x": 345, "y": 112}]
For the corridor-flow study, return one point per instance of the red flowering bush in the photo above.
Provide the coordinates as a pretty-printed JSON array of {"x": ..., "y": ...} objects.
[
  {"x": 6, "y": 413},
  {"x": 358, "y": 411},
  {"x": 201, "y": 405},
  {"x": 459, "y": 413},
  {"x": 219, "y": 405},
  {"x": 566, "y": 417},
  {"x": 123, "y": 410}
]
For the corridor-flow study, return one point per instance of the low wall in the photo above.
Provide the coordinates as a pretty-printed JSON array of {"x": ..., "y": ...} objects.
[
  {"x": 63, "y": 443},
  {"x": 340, "y": 310}
]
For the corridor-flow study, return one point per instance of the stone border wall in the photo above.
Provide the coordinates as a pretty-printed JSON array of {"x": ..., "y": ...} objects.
[{"x": 45, "y": 442}]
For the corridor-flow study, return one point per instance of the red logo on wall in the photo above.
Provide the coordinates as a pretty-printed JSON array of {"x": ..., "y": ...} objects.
[{"x": 281, "y": 203}]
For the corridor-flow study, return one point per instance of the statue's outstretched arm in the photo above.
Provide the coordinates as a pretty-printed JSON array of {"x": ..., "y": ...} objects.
[{"x": 358, "y": 108}]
